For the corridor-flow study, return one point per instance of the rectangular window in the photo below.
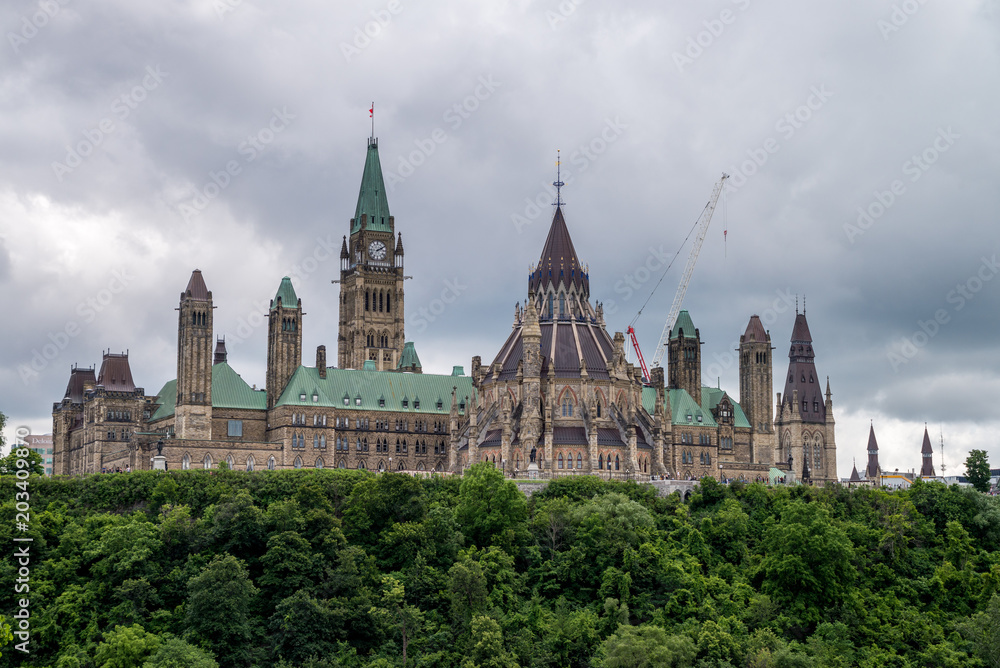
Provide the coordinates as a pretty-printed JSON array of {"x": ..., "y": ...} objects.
[{"x": 236, "y": 428}]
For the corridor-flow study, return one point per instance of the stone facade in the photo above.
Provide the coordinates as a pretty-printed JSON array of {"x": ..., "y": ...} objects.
[{"x": 559, "y": 398}]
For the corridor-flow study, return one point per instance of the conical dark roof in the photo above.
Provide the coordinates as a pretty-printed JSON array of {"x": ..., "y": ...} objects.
[
  {"x": 558, "y": 260},
  {"x": 802, "y": 376},
  {"x": 872, "y": 470},
  {"x": 755, "y": 331},
  {"x": 926, "y": 448},
  {"x": 854, "y": 474},
  {"x": 371, "y": 199},
  {"x": 800, "y": 332},
  {"x": 196, "y": 288}
]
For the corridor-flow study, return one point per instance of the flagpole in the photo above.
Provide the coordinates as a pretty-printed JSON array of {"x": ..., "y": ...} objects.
[{"x": 371, "y": 112}]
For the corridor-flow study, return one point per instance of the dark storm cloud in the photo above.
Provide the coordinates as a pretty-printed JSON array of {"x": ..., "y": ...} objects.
[{"x": 862, "y": 148}]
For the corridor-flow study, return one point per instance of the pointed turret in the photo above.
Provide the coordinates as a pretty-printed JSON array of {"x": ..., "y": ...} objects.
[
  {"x": 926, "y": 454},
  {"x": 373, "y": 207},
  {"x": 284, "y": 339},
  {"x": 559, "y": 261},
  {"x": 684, "y": 356},
  {"x": 873, "y": 470},
  {"x": 196, "y": 288},
  {"x": 854, "y": 474},
  {"x": 755, "y": 375},
  {"x": 802, "y": 376}
]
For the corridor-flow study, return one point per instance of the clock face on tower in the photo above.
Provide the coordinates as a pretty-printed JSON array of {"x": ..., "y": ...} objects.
[{"x": 376, "y": 250}]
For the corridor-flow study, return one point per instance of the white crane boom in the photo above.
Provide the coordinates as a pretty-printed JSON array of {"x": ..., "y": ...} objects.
[{"x": 675, "y": 308}]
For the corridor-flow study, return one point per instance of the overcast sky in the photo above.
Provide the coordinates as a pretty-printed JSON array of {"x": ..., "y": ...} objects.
[{"x": 143, "y": 140}]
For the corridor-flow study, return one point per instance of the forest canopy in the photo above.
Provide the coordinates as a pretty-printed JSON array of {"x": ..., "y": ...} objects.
[{"x": 319, "y": 568}]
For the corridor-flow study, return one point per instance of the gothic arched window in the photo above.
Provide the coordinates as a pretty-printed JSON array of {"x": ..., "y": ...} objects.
[{"x": 367, "y": 293}]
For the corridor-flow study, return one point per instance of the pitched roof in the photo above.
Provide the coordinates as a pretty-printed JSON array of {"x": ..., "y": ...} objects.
[
  {"x": 374, "y": 387},
  {"x": 285, "y": 295},
  {"x": 196, "y": 288},
  {"x": 755, "y": 331},
  {"x": 409, "y": 358},
  {"x": 229, "y": 390},
  {"x": 115, "y": 374},
  {"x": 683, "y": 404},
  {"x": 77, "y": 379},
  {"x": 558, "y": 260},
  {"x": 854, "y": 474},
  {"x": 683, "y": 323},
  {"x": 371, "y": 198}
]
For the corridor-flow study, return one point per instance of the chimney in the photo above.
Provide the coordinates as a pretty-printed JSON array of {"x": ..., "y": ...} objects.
[{"x": 321, "y": 361}]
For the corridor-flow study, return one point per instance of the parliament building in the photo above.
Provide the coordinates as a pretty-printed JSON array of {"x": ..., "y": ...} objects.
[{"x": 558, "y": 398}]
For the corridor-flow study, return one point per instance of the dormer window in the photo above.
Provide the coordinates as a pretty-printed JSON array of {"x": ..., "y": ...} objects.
[
  {"x": 315, "y": 397},
  {"x": 416, "y": 403},
  {"x": 406, "y": 402},
  {"x": 302, "y": 396},
  {"x": 439, "y": 404},
  {"x": 357, "y": 400},
  {"x": 347, "y": 400}
]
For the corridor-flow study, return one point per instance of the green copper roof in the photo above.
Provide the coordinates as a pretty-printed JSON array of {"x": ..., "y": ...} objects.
[
  {"x": 343, "y": 388},
  {"x": 167, "y": 398},
  {"x": 409, "y": 359},
  {"x": 683, "y": 404},
  {"x": 286, "y": 293},
  {"x": 710, "y": 398},
  {"x": 371, "y": 199},
  {"x": 683, "y": 322},
  {"x": 229, "y": 390}
]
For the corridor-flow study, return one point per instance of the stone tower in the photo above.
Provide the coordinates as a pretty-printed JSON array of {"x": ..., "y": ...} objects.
[
  {"x": 193, "y": 413},
  {"x": 684, "y": 351},
  {"x": 755, "y": 387},
  {"x": 804, "y": 420},
  {"x": 284, "y": 340},
  {"x": 371, "y": 278}
]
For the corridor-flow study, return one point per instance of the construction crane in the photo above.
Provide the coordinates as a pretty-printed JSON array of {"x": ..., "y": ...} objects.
[{"x": 675, "y": 308}]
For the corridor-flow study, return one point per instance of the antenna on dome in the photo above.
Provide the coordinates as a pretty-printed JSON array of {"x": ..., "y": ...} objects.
[{"x": 558, "y": 182}]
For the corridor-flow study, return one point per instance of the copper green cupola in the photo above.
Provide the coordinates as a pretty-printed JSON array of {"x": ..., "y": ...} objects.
[{"x": 372, "y": 211}]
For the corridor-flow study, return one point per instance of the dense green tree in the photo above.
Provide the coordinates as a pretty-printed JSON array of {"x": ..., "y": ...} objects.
[
  {"x": 977, "y": 470},
  {"x": 175, "y": 653},
  {"x": 22, "y": 458},
  {"x": 487, "y": 649},
  {"x": 126, "y": 647},
  {"x": 807, "y": 562},
  {"x": 491, "y": 510},
  {"x": 218, "y": 610},
  {"x": 646, "y": 647}
]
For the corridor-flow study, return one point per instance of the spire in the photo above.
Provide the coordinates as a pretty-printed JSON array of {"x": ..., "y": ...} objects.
[
  {"x": 558, "y": 183},
  {"x": 559, "y": 260},
  {"x": 372, "y": 201},
  {"x": 220, "y": 351},
  {"x": 285, "y": 296},
  {"x": 854, "y": 473},
  {"x": 800, "y": 332},
  {"x": 927, "y": 455},
  {"x": 344, "y": 254},
  {"x": 196, "y": 288},
  {"x": 399, "y": 243},
  {"x": 802, "y": 375},
  {"x": 873, "y": 470}
]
